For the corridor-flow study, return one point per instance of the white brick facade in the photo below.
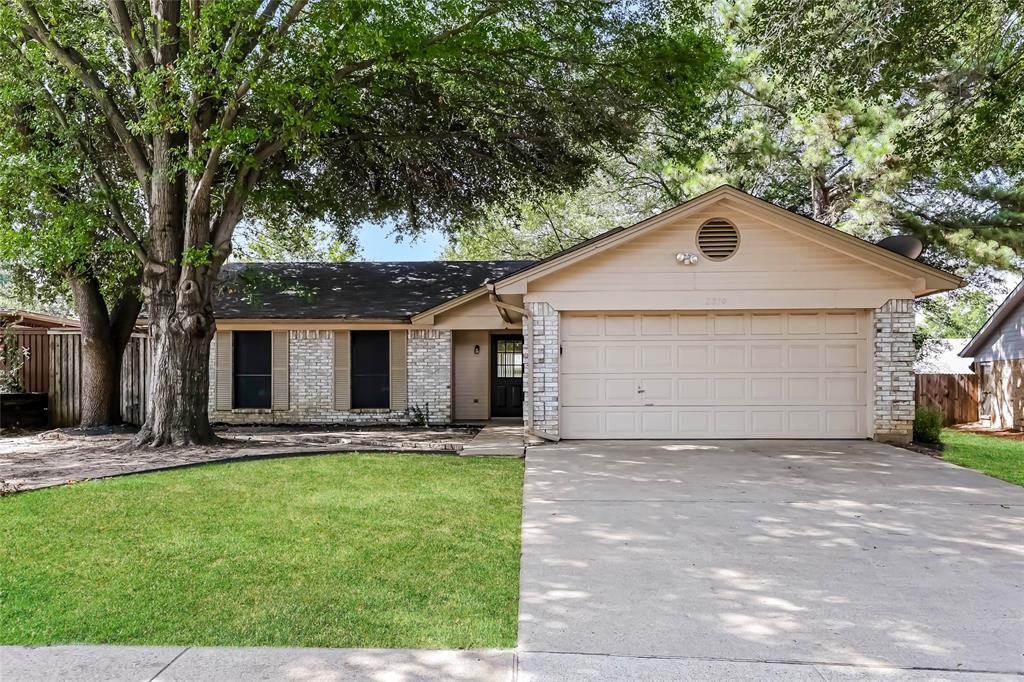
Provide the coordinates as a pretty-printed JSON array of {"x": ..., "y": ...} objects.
[
  {"x": 311, "y": 384},
  {"x": 894, "y": 371},
  {"x": 540, "y": 359},
  {"x": 430, "y": 390},
  {"x": 430, "y": 374}
]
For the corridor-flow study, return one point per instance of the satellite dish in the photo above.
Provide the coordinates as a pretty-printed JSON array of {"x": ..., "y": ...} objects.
[{"x": 903, "y": 244}]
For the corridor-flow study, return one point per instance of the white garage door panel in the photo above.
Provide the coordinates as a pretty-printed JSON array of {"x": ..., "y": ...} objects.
[{"x": 729, "y": 375}]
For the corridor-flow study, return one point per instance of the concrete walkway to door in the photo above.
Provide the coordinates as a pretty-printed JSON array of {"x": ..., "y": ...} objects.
[{"x": 793, "y": 560}]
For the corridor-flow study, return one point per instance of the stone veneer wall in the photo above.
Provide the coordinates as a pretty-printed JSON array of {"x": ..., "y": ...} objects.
[
  {"x": 311, "y": 384},
  {"x": 894, "y": 371},
  {"x": 540, "y": 358}
]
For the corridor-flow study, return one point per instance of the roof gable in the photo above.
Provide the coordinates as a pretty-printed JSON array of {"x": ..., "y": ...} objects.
[
  {"x": 923, "y": 279},
  {"x": 1010, "y": 306}
]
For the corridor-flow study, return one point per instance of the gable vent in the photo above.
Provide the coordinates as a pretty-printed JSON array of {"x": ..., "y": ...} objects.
[{"x": 718, "y": 239}]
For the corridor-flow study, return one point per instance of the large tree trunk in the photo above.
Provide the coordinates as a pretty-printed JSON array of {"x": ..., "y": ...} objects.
[
  {"x": 178, "y": 393},
  {"x": 104, "y": 338},
  {"x": 181, "y": 323}
]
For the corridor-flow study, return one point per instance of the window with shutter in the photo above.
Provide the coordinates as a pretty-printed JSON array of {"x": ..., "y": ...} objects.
[
  {"x": 251, "y": 370},
  {"x": 370, "y": 369}
]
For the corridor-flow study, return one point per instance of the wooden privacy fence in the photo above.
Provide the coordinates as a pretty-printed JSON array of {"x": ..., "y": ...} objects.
[
  {"x": 65, "y": 378},
  {"x": 955, "y": 395},
  {"x": 36, "y": 369}
]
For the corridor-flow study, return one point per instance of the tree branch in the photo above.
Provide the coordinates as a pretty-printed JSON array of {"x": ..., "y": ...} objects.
[
  {"x": 230, "y": 114},
  {"x": 99, "y": 176},
  {"x": 126, "y": 311},
  {"x": 81, "y": 69},
  {"x": 123, "y": 21}
]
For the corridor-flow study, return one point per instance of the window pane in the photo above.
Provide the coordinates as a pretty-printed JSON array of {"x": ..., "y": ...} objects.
[
  {"x": 509, "y": 359},
  {"x": 252, "y": 352},
  {"x": 251, "y": 370},
  {"x": 371, "y": 378},
  {"x": 252, "y": 391}
]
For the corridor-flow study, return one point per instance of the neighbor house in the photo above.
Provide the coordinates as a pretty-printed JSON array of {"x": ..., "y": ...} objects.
[
  {"x": 725, "y": 317},
  {"x": 998, "y": 352}
]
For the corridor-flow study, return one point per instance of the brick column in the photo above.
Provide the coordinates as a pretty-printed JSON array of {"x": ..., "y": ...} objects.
[
  {"x": 430, "y": 373},
  {"x": 540, "y": 358},
  {"x": 894, "y": 372}
]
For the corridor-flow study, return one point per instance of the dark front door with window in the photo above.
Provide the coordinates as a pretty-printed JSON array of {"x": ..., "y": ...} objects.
[{"x": 506, "y": 376}]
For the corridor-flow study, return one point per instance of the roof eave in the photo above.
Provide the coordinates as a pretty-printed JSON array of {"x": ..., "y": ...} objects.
[{"x": 994, "y": 320}]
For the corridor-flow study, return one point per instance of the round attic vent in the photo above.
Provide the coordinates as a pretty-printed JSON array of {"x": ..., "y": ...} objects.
[{"x": 718, "y": 239}]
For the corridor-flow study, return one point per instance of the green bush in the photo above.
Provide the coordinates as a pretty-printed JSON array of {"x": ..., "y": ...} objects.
[{"x": 927, "y": 424}]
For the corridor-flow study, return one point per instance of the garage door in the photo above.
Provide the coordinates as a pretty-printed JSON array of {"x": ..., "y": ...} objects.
[{"x": 722, "y": 375}]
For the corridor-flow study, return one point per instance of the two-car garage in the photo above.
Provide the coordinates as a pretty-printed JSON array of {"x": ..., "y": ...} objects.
[
  {"x": 725, "y": 317},
  {"x": 734, "y": 374}
]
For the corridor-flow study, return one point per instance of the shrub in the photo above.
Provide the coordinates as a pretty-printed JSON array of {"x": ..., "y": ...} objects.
[
  {"x": 928, "y": 423},
  {"x": 12, "y": 359}
]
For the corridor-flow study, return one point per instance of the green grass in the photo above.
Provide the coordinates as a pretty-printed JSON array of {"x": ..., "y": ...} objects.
[
  {"x": 998, "y": 457},
  {"x": 333, "y": 551}
]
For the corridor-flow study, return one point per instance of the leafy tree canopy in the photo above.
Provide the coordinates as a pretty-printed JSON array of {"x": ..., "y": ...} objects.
[
  {"x": 416, "y": 111},
  {"x": 958, "y": 316},
  {"x": 875, "y": 118}
]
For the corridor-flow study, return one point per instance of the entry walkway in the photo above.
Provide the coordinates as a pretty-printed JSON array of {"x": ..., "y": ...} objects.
[{"x": 497, "y": 439}]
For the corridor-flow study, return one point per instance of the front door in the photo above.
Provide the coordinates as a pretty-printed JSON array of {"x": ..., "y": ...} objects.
[{"x": 507, "y": 376}]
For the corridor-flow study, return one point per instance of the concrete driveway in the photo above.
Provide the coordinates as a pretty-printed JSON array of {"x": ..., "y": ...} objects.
[{"x": 767, "y": 560}]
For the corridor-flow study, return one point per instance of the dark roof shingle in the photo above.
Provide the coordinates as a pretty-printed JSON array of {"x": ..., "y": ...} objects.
[{"x": 351, "y": 291}]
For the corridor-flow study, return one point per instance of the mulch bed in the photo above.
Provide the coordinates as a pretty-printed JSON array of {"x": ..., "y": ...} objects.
[{"x": 30, "y": 460}]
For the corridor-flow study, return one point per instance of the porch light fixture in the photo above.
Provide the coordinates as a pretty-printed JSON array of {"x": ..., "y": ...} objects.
[{"x": 476, "y": 349}]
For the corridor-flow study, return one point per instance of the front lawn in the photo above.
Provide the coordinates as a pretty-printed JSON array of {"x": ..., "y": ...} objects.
[
  {"x": 328, "y": 551},
  {"x": 999, "y": 457}
]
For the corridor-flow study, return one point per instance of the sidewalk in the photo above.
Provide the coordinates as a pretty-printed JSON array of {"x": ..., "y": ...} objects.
[{"x": 167, "y": 664}]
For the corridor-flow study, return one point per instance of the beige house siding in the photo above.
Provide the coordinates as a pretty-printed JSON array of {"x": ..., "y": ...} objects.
[
  {"x": 775, "y": 268},
  {"x": 472, "y": 375},
  {"x": 477, "y": 314},
  {"x": 772, "y": 266}
]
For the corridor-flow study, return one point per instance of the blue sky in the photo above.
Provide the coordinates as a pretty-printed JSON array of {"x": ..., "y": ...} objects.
[{"x": 377, "y": 243}]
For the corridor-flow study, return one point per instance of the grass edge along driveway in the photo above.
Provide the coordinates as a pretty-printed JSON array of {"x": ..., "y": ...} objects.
[
  {"x": 1001, "y": 458},
  {"x": 327, "y": 551}
]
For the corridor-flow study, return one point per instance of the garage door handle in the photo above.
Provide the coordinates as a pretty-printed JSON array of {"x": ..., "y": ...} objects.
[{"x": 640, "y": 390}]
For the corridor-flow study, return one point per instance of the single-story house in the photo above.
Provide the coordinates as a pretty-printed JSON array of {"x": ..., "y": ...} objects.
[
  {"x": 998, "y": 352},
  {"x": 725, "y": 317}
]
